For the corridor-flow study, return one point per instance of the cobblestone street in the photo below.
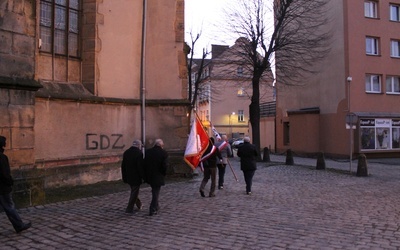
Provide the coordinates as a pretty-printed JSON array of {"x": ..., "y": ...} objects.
[{"x": 292, "y": 207}]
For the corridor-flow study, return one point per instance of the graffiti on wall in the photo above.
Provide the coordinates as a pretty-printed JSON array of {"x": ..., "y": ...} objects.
[{"x": 104, "y": 142}]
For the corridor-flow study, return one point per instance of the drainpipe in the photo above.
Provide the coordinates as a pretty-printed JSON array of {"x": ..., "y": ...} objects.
[{"x": 142, "y": 75}]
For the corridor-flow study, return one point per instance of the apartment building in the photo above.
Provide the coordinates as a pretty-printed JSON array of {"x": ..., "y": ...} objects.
[
  {"x": 225, "y": 95},
  {"x": 351, "y": 106},
  {"x": 81, "y": 79}
]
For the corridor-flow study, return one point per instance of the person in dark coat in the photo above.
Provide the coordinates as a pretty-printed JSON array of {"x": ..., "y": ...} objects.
[
  {"x": 210, "y": 168},
  {"x": 6, "y": 183},
  {"x": 248, "y": 157},
  {"x": 156, "y": 162},
  {"x": 133, "y": 173}
]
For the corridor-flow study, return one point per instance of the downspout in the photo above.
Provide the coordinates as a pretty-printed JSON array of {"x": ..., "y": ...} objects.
[{"x": 142, "y": 75}]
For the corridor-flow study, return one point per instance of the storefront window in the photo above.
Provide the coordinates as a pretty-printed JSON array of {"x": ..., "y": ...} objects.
[
  {"x": 379, "y": 134},
  {"x": 395, "y": 133},
  {"x": 367, "y": 128}
]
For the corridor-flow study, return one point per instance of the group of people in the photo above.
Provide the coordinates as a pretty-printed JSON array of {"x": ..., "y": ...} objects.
[
  {"x": 216, "y": 156},
  {"x": 151, "y": 168}
]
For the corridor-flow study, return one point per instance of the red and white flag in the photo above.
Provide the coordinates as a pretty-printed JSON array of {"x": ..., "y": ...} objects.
[
  {"x": 218, "y": 137},
  {"x": 197, "y": 143},
  {"x": 216, "y": 134}
]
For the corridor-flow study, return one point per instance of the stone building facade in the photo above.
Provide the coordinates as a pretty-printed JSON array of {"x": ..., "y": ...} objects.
[{"x": 81, "y": 79}]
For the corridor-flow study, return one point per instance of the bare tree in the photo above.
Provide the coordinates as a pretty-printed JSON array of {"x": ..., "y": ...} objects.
[
  {"x": 194, "y": 80},
  {"x": 294, "y": 36}
]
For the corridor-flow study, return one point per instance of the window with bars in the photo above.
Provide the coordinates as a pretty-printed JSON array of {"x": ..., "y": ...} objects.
[{"x": 59, "y": 27}]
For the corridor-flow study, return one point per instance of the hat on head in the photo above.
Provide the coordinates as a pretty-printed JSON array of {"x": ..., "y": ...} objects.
[
  {"x": 2, "y": 141},
  {"x": 137, "y": 143}
]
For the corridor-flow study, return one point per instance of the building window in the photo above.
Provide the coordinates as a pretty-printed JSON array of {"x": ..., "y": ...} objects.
[
  {"x": 372, "y": 46},
  {"x": 371, "y": 9},
  {"x": 395, "y": 48},
  {"x": 394, "y": 13},
  {"x": 393, "y": 85},
  {"x": 241, "y": 116},
  {"x": 59, "y": 27},
  {"x": 373, "y": 84},
  {"x": 240, "y": 71},
  {"x": 240, "y": 92}
]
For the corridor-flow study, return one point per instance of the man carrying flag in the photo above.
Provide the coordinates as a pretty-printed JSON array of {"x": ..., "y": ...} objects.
[
  {"x": 196, "y": 145},
  {"x": 209, "y": 161}
]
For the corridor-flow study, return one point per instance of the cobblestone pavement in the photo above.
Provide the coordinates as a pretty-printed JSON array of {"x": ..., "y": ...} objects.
[{"x": 292, "y": 207}]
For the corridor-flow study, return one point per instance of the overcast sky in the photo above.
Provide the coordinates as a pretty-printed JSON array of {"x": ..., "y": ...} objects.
[{"x": 206, "y": 16}]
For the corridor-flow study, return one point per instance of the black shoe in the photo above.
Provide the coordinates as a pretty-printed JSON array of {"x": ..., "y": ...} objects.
[
  {"x": 221, "y": 187},
  {"x": 24, "y": 227},
  {"x": 130, "y": 211},
  {"x": 212, "y": 195},
  {"x": 202, "y": 194},
  {"x": 152, "y": 213}
]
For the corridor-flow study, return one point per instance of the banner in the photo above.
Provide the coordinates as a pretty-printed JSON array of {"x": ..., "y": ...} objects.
[
  {"x": 197, "y": 143},
  {"x": 216, "y": 134},
  {"x": 219, "y": 144}
]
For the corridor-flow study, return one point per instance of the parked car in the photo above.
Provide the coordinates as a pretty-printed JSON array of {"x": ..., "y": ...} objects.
[{"x": 237, "y": 143}]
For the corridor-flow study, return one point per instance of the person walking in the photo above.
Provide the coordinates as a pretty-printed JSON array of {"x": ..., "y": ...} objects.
[
  {"x": 248, "y": 156},
  {"x": 226, "y": 151},
  {"x": 132, "y": 173},
  {"x": 6, "y": 183},
  {"x": 156, "y": 162},
  {"x": 210, "y": 164}
]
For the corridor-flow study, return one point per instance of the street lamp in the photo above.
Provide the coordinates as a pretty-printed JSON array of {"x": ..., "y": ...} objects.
[
  {"x": 349, "y": 79},
  {"x": 230, "y": 124}
]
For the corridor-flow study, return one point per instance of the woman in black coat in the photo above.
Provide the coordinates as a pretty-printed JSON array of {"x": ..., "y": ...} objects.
[{"x": 248, "y": 158}]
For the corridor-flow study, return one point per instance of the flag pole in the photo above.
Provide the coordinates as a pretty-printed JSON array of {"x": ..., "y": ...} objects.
[{"x": 233, "y": 172}]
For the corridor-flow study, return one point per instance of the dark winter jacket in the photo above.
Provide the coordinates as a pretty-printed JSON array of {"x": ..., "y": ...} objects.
[
  {"x": 6, "y": 181},
  {"x": 248, "y": 156},
  {"x": 155, "y": 162},
  {"x": 132, "y": 167},
  {"x": 211, "y": 161}
]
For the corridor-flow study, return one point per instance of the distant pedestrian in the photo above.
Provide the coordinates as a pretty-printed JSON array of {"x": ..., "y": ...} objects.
[
  {"x": 6, "y": 183},
  {"x": 226, "y": 151},
  {"x": 156, "y": 162},
  {"x": 248, "y": 157},
  {"x": 210, "y": 168},
  {"x": 132, "y": 169}
]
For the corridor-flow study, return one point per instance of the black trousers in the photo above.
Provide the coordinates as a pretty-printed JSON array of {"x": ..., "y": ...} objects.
[
  {"x": 155, "y": 194},
  {"x": 134, "y": 198},
  {"x": 221, "y": 174},
  {"x": 248, "y": 178},
  {"x": 7, "y": 203},
  {"x": 209, "y": 173}
]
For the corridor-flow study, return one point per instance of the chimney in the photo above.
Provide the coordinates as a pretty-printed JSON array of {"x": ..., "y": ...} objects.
[{"x": 217, "y": 50}]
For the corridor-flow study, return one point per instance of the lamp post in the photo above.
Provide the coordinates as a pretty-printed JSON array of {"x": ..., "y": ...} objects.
[
  {"x": 230, "y": 124},
  {"x": 349, "y": 79}
]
